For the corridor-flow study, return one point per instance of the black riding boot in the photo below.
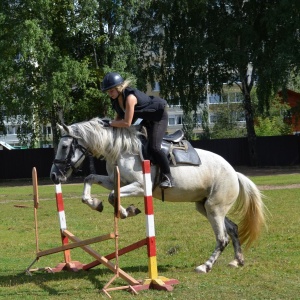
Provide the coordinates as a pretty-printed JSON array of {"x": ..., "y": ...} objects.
[{"x": 166, "y": 181}]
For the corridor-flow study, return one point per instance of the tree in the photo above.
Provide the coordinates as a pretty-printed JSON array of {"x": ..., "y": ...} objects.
[
  {"x": 272, "y": 122},
  {"x": 37, "y": 70},
  {"x": 250, "y": 45},
  {"x": 247, "y": 43},
  {"x": 171, "y": 35},
  {"x": 54, "y": 55},
  {"x": 226, "y": 124}
]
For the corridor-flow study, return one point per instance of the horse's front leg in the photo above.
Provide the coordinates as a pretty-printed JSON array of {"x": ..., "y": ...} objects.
[
  {"x": 102, "y": 180},
  {"x": 131, "y": 190}
]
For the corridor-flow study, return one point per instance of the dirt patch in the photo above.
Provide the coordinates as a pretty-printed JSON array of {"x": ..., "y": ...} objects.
[
  {"x": 278, "y": 187},
  {"x": 265, "y": 171},
  {"x": 268, "y": 171},
  {"x": 41, "y": 181}
]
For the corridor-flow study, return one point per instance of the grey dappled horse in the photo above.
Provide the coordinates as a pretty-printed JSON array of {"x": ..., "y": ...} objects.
[{"x": 214, "y": 186}]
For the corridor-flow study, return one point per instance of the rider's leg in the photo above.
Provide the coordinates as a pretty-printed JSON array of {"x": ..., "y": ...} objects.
[{"x": 156, "y": 134}]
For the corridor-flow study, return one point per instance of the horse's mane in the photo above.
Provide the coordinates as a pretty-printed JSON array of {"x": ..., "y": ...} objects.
[{"x": 108, "y": 142}]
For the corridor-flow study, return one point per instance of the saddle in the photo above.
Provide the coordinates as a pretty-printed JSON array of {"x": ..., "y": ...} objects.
[{"x": 177, "y": 149}]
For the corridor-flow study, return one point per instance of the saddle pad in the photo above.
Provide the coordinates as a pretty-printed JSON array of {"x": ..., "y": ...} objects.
[{"x": 189, "y": 157}]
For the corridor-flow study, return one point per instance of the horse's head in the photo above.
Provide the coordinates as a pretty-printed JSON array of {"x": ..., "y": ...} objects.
[{"x": 69, "y": 156}]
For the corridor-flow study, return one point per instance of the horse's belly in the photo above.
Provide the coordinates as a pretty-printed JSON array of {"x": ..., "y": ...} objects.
[{"x": 177, "y": 195}]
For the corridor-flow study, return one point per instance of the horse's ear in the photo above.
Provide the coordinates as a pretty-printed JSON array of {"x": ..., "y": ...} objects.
[{"x": 63, "y": 128}]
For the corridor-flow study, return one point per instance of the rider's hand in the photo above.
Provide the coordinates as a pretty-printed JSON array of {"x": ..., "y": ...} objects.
[{"x": 106, "y": 122}]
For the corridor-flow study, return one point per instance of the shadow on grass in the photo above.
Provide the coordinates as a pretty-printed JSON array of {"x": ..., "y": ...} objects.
[{"x": 43, "y": 279}]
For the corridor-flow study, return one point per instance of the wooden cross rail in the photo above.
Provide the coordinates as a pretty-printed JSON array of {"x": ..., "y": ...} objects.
[
  {"x": 112, "y": 255},
  {"x": 76, "y": 244},
  {"x": 102, "y": 259}
]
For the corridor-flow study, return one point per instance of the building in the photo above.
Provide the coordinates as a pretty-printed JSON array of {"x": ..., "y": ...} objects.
[
  {"x": 9, "y": 134},
  {"x": 230, "y": 97},
  {"x": 293, "y": 116}
]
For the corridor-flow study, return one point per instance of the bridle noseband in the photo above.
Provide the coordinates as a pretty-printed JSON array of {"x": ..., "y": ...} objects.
[{"x": 67, "y": 161}]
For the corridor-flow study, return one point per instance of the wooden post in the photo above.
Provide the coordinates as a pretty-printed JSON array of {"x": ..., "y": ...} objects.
[
  {"x": 117, "y": 270},
  {"x": 36, "y": 205}
]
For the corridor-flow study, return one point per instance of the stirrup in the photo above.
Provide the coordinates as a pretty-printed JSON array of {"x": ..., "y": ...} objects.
[{"x": 166, "y": 182}]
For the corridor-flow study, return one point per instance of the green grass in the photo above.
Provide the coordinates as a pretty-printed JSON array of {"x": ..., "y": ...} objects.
[
  {"x": 184, "y": 240},
  {"x": 281, "y": 179}
]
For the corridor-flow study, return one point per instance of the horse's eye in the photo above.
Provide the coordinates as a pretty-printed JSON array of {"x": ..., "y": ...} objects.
[{"x": 65, "y": 147}]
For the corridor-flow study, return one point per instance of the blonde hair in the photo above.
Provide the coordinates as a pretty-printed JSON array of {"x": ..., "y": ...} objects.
[{"x": 120, "y": 88}]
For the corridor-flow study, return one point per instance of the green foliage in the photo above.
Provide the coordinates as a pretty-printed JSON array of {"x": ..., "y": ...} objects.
[
  {"x": 294, "y": 82},
  {"x": 54, "y": 55},
  {"x": 243, "y": 43},
  {"x": 206, "y": 134},
  {"x": 272, "y": 122},
  {"x": 271, "y": 126},
  {"x": 188, "y": 125},
  {"x": 171, "y": 34}
]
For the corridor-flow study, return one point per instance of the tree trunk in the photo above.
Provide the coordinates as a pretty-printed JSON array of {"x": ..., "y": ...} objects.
[
  {"x": 57, "y": 114},
  {"x": 250, "y": 127},
  {"x": 54, "y": 130}
]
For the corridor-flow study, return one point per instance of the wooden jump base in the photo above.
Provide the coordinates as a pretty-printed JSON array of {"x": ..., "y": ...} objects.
[{"x": 153, "y": 282}]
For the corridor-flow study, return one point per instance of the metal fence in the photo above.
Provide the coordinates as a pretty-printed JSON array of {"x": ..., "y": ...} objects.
[{"x": 272, "y": 151}]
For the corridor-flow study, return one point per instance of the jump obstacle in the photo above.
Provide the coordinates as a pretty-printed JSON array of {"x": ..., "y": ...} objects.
[{"x": 153, "y": 282}]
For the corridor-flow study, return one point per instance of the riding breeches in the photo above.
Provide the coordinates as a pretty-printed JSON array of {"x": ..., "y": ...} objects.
[{"x": 156, "y": 133}]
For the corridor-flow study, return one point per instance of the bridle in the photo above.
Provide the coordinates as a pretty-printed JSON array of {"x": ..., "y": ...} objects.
[{"x": 68, "y": 164}]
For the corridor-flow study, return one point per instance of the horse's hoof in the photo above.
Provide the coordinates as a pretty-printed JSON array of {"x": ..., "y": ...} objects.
[
  {"x": 201, "y": 269},
  {"x": 137, "y": 211},
  {"x": 132, "y": 211},
  {"x": 234, "y": 264},
  {"x": 99, "y": 207}
]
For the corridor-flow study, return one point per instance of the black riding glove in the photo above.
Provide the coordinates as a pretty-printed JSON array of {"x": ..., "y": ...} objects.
[{"x": 106, "y": 122}]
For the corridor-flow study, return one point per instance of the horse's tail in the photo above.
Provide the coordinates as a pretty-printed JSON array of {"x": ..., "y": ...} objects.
[{"x": 250, "y": 209}]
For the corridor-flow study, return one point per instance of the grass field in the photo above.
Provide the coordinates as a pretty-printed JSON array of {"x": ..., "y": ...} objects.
[{"x": 184, "y": 240}]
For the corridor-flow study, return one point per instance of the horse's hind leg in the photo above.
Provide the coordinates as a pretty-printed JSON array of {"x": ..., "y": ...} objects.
[
  {"x": 217, "y": 222},
  {"x": 232, "y": 230}
]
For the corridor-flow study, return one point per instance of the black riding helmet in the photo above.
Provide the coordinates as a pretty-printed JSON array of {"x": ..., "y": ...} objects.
[{"x": 111, "y": 80}]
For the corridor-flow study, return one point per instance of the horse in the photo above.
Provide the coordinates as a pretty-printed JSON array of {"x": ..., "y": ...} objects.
[{"x": 214, "y": 186}]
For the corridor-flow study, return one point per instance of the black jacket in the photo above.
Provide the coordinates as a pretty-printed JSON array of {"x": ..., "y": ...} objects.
[{"x": 147, "y": 108}]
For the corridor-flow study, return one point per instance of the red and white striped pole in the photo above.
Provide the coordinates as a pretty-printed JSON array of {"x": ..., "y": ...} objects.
[
  {"x": 150, "y": 228},
  {"x": 154, "y": 281},
  {"x": 62, "y": 221}
]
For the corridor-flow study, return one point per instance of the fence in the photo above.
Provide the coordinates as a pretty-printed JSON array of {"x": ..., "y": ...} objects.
[{"x": 271, "y": 151}]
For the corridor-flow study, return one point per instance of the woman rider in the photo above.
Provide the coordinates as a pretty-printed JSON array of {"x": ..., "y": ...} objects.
[{"x": 131, "y": 104}]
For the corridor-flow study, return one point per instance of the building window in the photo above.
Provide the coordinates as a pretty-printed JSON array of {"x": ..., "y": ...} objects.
[
  {"x": 240, "y": 116},
  {"x": 175, "y": 120},
  {"x": 214, "y": 98},
  {"x": 233, "y": 97},
  {"x": 213, "y": 118},
  {"x": 156, "y": 87},
  {"x": 47, "y": 130},
  {"x": 199, "y": 119}
]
